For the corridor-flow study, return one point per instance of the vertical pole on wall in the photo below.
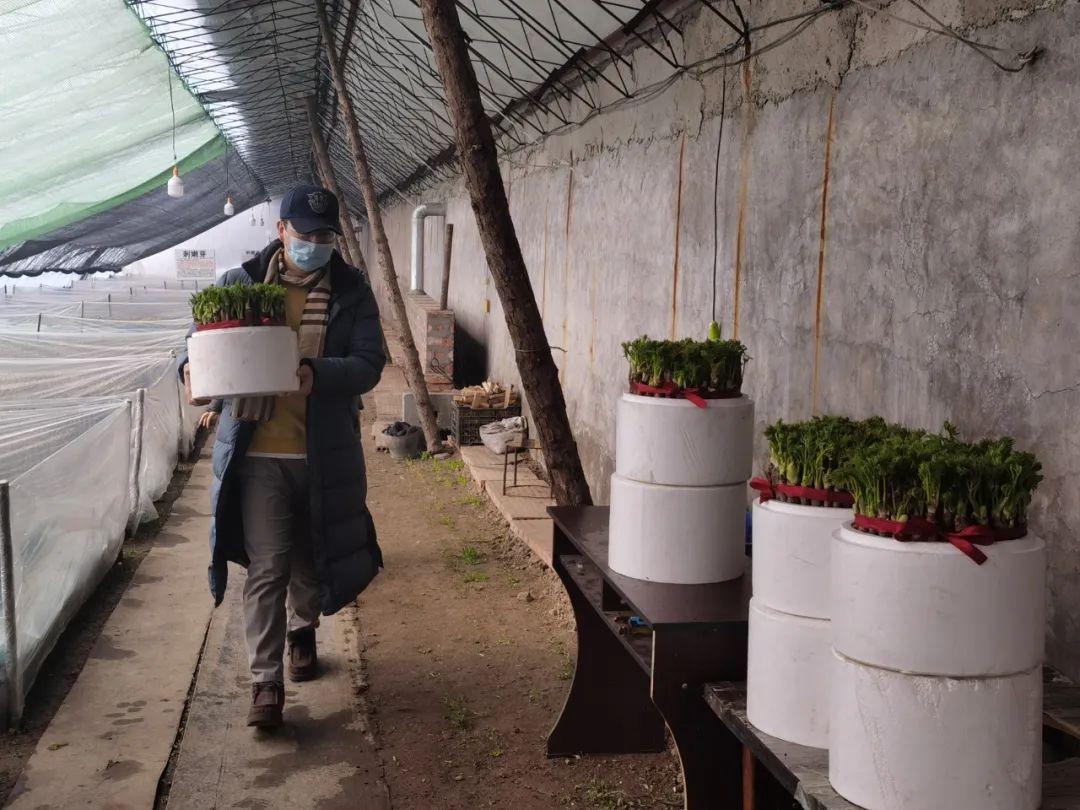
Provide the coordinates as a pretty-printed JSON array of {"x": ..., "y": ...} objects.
[
  {"x": 12, "y": 694},
  {"x": 137, "y": 406},
  {"x": 413, "y": 371},
  {"x": 480, "y": 165},
  {"x": 39, "y": 321},
  {"x": 447, "y": 245}
]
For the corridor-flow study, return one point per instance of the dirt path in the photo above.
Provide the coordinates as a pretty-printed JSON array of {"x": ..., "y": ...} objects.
[{"x": 468, "y": 645}]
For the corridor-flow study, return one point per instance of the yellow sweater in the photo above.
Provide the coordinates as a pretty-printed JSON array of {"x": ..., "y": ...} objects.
[{"x": 285, "y": 432}]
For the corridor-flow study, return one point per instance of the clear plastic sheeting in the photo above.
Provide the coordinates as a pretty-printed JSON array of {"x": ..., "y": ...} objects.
[
  {"x": 119, "y": 310},
  {"x": 54, "y": 343},
  {"x": 162, "y": 431},
  {"x": 42, "y": 321},
  {"x": 65, "y": 531}
]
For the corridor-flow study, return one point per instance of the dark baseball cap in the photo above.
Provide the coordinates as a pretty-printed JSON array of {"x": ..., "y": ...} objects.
[{"x": 310, "y": 208}]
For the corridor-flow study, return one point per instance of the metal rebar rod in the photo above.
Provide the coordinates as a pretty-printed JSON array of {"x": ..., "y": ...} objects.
[{"x": 12, "y": 692}]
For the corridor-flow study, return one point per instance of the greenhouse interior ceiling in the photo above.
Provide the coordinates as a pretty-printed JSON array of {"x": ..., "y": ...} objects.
[{"x": 217, "y": 89}]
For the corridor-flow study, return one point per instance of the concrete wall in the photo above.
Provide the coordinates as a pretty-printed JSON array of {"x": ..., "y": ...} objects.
[{"x": 942, "y": 281}]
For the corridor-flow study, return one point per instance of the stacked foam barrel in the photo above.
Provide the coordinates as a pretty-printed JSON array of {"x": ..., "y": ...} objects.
[
  {"x": 789, "y": 661},
  {"x": 678, "y": 495},
  {"x": 936, "y": 698}
]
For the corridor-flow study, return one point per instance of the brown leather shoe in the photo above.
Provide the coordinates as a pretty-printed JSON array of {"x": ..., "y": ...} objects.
[
  {"x": 267, "y": 702},
  {"x": 303, "y": 660}
]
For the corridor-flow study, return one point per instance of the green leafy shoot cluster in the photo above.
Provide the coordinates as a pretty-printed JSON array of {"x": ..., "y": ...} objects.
[
  {"x": 712, "y": 366},
  {"x": 239, "y": 302},
  {"x": 906, "y": 474},
  {"x": 808, "y": 453}
]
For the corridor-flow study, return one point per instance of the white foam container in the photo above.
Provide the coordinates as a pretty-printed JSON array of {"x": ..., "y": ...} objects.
[
  {"x": 683, "y": 535},
  {"x": 792, "y": 545},
  {"x": 914, "y": 742},
  {"x": 674, "y": 442},
  {"x": 243, "y": 361},
  {"x": 924, "y": 607},
  {"x": 788, "y": 669}
]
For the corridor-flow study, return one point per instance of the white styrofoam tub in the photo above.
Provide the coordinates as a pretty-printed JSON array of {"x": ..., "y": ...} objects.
[
  {"x": 243, "y": 361},
  {"x": 788, "y": 668},
  {"x": 684, "y": 535},
  {"x": 924, "y": 607},
  {"x": 916, "y": 742},
  {"x": 791, "y": 556},
  {"x": 674, "y": 442}
]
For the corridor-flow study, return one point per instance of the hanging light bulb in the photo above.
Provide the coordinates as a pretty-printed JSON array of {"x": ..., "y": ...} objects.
[
  {"x": 230, "y": 209},
  {"x": 176, "y": 185},
  {"x": 253, "y": 223}
]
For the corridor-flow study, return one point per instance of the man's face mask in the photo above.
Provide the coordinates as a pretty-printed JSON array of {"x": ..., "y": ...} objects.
[{"x": 308, "y": 256}]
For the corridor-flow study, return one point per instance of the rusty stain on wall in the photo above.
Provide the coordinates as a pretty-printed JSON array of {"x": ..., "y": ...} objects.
[
  {"x": 543, "y": 265},
  {"x": 821, "y": 253},
  {"x": 744, "y": 190},
  {"x": 678, "y": 227},
  {"x": 566, "y": 268}
]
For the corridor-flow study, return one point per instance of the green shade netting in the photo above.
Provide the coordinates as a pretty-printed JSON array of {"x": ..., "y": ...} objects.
[{"x": 85, "y": 118}]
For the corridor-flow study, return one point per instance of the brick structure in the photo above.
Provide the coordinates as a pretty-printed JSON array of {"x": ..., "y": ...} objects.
[{"x": 433, "y": 331}]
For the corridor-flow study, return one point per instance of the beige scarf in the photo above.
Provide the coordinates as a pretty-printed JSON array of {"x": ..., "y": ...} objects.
[{"x": 312, "y": 333}]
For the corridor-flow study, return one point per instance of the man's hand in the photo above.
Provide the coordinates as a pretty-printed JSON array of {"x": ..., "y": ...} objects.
[
  {"x": 187, "y": 389},
  {"x": 307, "y": 379},
  {"x": 208, "y": 419}
]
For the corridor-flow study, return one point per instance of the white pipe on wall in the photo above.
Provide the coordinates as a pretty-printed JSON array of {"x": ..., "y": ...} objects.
[{"x": 421, "y": 213}]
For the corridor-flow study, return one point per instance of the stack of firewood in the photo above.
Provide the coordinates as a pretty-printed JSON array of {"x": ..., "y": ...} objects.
[{"x": 486, "y": 396}]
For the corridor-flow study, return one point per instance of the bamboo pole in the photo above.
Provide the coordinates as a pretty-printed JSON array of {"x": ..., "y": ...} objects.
[
  {"x": 448, "y": 243},
  {"x": 329, "y": 179},
  {"x": 413, "y": 372},
  {"x": 479, "y": 160}
]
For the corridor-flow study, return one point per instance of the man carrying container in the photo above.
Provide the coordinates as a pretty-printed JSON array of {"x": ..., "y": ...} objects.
[{"x": 289, "y": 489}]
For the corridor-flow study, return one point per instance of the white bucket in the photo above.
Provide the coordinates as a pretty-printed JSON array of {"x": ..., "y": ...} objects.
[
  {"x": 674, "y": 442},
  {"x": 788, "y": 669},
  {"x": 915, "y": 742},
  {"x": 925, "y": 607},
  {"x": 791, "y": 556},
  {"x": 683, "y": 535},
  {"x": 243, "y": 361}
]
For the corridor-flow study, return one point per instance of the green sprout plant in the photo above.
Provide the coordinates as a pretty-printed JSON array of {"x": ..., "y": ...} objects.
[
  {"x": 807, "y": 454},
  {"x": 940, "y": 479},
  {"x": 251, "y": 303},
  {"x": 711, "y": 367}
]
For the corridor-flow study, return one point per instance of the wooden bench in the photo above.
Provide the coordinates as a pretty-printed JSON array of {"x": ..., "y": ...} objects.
[
  {"x": 629, "y": 689},
  {"x": 779, "y": 775}
]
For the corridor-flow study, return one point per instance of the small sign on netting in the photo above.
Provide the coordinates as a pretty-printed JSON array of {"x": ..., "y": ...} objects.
[{"x": 195, "y": 263}]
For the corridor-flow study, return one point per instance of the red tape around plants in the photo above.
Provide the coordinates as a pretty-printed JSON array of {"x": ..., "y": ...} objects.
[
  {"x": 203, "y": 327},
  {"x": 967, "y": 540},
  {"x": 769, "y": 491},
  {"x": 697, "y": 396}
]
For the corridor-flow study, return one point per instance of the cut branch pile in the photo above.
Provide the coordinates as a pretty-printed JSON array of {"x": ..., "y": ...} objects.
[{"x": 486, "y": 396}]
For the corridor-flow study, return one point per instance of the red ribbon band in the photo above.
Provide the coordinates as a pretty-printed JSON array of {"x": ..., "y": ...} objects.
[
  {"x": 769, "y": 490},
  {"x": 697, "y": 396},
  {"x": 202, "y": 327},
  {"x": 967, "y": 540}
]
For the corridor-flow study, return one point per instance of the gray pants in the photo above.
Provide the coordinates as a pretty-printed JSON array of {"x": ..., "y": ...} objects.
[{"x": 274, "y": 502}]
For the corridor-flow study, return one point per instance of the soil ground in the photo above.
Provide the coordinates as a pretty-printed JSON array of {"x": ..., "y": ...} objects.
[
  {"x": 468, "y": 651},
  {"x": 63, "y": 665}
]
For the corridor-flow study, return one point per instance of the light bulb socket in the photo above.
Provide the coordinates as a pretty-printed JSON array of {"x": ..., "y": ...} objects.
[
  {"x": 175, "y": 188},
  {"x": 230, "y": 209}
]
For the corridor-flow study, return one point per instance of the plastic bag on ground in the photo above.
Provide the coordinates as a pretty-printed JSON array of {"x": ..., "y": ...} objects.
[{"x": 497, "y": 435}]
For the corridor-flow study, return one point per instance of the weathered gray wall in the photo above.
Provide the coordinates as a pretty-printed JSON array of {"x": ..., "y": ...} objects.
[{"x": 950, "y": 262}]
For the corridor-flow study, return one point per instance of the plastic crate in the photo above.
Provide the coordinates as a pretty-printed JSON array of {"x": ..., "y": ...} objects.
[{"x": 466, "y": 422}]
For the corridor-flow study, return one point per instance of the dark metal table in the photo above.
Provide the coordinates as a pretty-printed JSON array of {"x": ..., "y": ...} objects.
[{"x": 627, "y": 688}]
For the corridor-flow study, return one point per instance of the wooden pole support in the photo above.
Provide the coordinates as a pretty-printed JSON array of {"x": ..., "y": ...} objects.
[
  {"x": 480, "y": 163},
  {"x": 326, "y": 169},
  {"x": 448, "y": 243},
  {"x": 413, "y": 372}
]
